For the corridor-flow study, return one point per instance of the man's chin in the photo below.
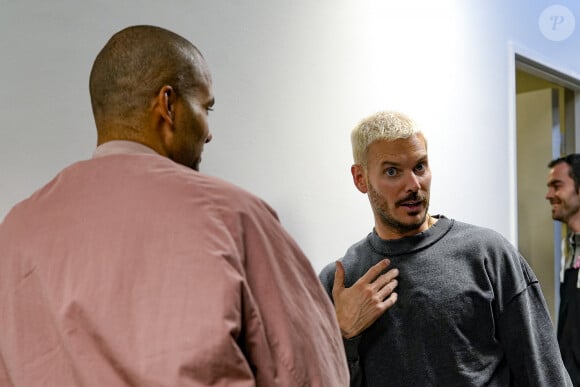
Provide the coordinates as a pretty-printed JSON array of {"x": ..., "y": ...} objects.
[
  {"x": 417, "y": 217},
  {"x": 407, "y": 226},
  {"x": 416, "y": 222}
]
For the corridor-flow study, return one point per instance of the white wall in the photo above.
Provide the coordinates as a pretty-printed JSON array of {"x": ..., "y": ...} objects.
[{"x": 291, "y": 78}]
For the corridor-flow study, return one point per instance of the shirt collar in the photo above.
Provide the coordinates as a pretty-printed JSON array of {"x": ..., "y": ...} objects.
[{"x": 121, "y": 147}]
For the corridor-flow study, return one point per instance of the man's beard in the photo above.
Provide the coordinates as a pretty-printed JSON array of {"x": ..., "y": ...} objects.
[
  {"x": 387, "y": 219},
  {"x": 564, "y": 213}
]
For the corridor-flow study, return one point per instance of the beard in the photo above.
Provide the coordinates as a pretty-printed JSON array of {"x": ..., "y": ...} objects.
[
  {"x": 386, "y": 216},
  {"x": 564, "y": 212},
  {"x": 558, "y": 216}
]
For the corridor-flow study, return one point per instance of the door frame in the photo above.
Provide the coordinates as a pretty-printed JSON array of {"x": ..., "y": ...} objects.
[{"x": 521, "y": 58}]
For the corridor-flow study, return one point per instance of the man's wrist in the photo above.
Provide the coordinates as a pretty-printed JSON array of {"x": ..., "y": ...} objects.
[{"x": 346, "y": 335}]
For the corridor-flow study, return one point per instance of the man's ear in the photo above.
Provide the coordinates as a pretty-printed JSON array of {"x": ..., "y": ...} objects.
[
  {"x": 359, "y": 177},
  {"x": 164, "y": 115},
  {"x": 165, "y": 104}
]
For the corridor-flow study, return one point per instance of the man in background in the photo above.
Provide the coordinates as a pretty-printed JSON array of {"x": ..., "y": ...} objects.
[
  {"x": 564, "y": 197},
  {"x": 134, "y": 269},
  {"x": 467, "y": 311}
]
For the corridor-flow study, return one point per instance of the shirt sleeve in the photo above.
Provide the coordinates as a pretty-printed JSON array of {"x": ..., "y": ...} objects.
[
  {"x": 298, "y": 319},
  {"x": 352, "y": 358},
  {"x": 527, "y": 337},
  {"x": 4, "y": 378},
  {"x": 351, "y": 346}
]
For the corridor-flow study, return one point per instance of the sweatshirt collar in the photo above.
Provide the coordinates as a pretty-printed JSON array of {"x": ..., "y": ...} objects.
[{"x": 413, "y": 243}]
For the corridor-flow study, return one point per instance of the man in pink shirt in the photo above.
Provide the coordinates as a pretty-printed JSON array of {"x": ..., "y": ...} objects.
[{"x": 134, "y": 269}]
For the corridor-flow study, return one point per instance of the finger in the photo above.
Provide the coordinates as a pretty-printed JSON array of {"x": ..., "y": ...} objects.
[
  {"x": 338, "y": 278},
  {"x": 385, "y": 278},
  {"x": 374, "y": 271},
  {"x": 387, "y": 290},
  {"x": 390, "y": 301}
]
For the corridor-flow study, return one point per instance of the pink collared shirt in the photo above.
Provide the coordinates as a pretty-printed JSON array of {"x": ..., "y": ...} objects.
[{"x": 131, "y": 270}]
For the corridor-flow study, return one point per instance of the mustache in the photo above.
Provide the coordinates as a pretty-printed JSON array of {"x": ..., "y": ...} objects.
[{"x": 413, "y": 197}]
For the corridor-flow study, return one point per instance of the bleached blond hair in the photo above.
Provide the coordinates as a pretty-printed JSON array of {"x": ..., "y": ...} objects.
[{"x": 385, "y": 125}]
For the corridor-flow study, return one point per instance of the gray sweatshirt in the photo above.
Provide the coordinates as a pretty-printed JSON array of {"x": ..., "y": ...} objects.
[{"x": 470, "y": 312}]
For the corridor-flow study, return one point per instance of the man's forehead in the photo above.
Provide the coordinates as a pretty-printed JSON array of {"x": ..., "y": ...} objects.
[
  {"x": 561, "y": 169},
  {"x": 559, "y": 173}
]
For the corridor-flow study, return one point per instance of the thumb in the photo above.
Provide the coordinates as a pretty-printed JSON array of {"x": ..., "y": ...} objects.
[{"x": 338, "y": 278}]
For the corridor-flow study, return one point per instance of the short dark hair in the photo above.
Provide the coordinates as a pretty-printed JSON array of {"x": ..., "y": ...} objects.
[
  {"x": 134, "y": 64},
  {"x": 573, "y": 161}
]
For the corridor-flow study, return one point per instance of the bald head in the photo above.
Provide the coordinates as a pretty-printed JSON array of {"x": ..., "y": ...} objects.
[{"x": 131, "y": 69}]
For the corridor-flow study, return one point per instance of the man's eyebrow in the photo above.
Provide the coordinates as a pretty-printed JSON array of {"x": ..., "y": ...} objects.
[
  {"x": 422, "y": 159},
  {"x": 388, "y": 162}
]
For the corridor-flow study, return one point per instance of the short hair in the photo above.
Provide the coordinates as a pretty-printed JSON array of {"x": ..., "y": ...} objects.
[
  {"x": 134, "y": 65},
  {"x": 385, "y": 125},
  {"x": 573, "y": 161}
]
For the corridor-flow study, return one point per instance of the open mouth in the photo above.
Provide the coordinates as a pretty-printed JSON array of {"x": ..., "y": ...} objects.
[{"x": 413, "y": 206}]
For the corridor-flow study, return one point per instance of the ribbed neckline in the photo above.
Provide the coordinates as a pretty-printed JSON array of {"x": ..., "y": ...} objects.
[{"x": 413, "y": 243}]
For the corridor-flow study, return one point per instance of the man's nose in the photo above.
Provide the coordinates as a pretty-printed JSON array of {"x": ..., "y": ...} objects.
[{"x": 412, "y": 183}]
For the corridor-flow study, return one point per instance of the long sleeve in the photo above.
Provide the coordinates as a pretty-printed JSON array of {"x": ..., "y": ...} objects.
[
  {"x": 298, "y": 320},
  {"x": 526, "y": 335},
  {"x": 4, "y": 377},
  {"x": 351, "y": 346},
  {"x": 353, "y": 360}
]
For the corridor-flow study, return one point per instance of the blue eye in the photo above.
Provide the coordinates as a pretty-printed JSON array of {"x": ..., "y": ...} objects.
[
  {"x": 391, "y": 171},
  {"x": 421, "y": 167}
]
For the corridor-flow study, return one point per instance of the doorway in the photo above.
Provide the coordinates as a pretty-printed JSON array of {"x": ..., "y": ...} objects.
[{"x": 545, "y": 129}]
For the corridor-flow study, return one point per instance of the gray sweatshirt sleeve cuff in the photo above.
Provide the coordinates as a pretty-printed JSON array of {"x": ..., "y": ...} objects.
[{"x": 351, "y": 347}]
